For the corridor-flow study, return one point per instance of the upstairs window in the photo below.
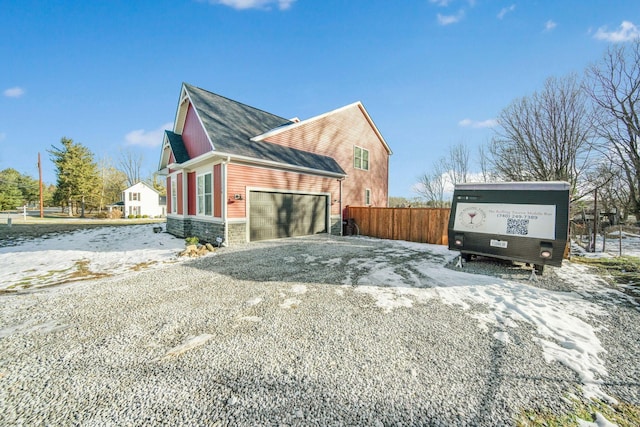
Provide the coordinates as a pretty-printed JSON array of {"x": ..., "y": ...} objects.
[
  {"x": 360, "y": 158},
  {"x": 205, "y": 194}
]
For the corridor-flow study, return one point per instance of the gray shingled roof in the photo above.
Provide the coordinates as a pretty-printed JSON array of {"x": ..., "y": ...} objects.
[
  {"x": 177, "y": 146},
  {"x": 231, "y": 124}
]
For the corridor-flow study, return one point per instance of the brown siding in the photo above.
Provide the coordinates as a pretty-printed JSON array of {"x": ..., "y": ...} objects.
[
  {"x": 335, "y": 135},
  {"x": 241, "y": 176},
  {"x": 424, "y": 225},
  {"x": 193, "y": 135}
]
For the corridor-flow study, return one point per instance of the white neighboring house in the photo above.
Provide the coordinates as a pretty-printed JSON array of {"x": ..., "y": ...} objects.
[{"x": 141, "y": 199}]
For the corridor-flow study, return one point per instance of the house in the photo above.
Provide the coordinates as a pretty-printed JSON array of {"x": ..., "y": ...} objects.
[
  {"x": 141, "y": 199},
  {"x": 243, "y": 174}
]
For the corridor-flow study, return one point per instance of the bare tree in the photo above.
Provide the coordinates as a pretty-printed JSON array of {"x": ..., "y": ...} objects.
[
  {"x": 485, "y": 166},
  {"x": 612, "y": 197},
  {"x": 457, "y": 163},
  {"x": 614, "y": 85},
  {"x": 431, "y": 184},
  {"x": 546, "y": 136},
  {"x": 113, "y": 182},
  {"x": 131, "y": 163}
]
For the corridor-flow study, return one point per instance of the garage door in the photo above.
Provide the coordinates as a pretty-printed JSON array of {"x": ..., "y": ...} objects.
[{"x": 276, "y": 215}]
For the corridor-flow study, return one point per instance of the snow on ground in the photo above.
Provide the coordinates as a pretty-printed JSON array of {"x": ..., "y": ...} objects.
[
  {"x": 566, "y": 322},
  {"x": 629, "y": 245},
  {"x": 87, "y": 253}
]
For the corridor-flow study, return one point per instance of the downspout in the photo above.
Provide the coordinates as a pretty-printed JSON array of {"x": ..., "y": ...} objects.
[
  {"x": 225, "y": 198},
  {"x": 341, "y": 219}
]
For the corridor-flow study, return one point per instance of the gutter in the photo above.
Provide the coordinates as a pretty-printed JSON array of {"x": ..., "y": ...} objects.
[
  {"x": 285, "y": 166},
  {"x": 340, "y": 204}
]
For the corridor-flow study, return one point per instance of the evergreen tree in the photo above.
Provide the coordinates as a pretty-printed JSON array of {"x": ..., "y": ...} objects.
[
  {"x": 30, "y": 189},
  {"x": 11, "y": 196},
  {"x": 77, "y": 174}
]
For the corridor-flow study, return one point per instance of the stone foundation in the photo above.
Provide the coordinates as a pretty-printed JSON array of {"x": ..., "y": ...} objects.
[
  {"x": 206, "y": 231},
  {"x": 237, "y": 231},
  {"x": 336, "y": 225},
  {"x": 176, "y": 227},
  {"x": 203, "y": 230}
]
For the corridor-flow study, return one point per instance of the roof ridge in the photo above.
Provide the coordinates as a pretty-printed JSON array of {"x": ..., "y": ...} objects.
[{"x": 236, "y": 102}]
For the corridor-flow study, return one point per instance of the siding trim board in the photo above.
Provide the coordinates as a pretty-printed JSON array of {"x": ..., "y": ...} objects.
[{"x": 269, "y": 164}]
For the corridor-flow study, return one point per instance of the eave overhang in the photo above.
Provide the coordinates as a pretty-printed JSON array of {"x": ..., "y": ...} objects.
[{"x": 212, "y": 157}]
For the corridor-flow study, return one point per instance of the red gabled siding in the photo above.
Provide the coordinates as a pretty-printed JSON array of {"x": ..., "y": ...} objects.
[
  {"x": 217, "y": 191},
  {"x": 239, "y": 177},
  {"x": 194, "y": 137},
  {"x": 179, "y": 185},
  {"x": 191, "y": 193},
  {"x": 335, "y": 135}
]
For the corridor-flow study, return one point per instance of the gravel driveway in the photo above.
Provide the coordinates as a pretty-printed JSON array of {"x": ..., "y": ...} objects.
[{"x": 305, "y": 331}]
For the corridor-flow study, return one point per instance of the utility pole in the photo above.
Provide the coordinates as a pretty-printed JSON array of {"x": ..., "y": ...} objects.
[{"x": 41, "y": 195}]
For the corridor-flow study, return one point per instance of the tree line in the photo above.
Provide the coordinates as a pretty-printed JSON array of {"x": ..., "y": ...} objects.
[
  {"x": 581, "y": 129},
  {"x": 81, "y": 182}
]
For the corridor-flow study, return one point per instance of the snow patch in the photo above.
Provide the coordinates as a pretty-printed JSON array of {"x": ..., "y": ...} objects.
[
  {"x": 290, "y": 303},
  {"x": 191, "y": 343},
  {"x": 502, "y": 336},
  {"x": 254, "y": 319},
  {"x": 299, "y": 289},
  {"x": 253, "y": 301}
]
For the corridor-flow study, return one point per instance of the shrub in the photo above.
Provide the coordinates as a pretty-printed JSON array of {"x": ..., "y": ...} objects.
[
  {"x": 192, "y": 240},
  {"x": 131, "y": 216},
  {"x": 116, "y": 213}
]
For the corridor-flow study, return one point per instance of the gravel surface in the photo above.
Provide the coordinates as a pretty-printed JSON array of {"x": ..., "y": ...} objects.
[{"x": 275, "y": 333}]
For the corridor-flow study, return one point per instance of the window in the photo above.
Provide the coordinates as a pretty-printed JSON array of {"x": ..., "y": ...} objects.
[
  {"x": 367, "y": 197},
  {"x": 134, "y": 197},
  {"x": 174, "y": 194},
  {"x": 205, "y": 196},
  {"x": 360, "y": 158}
]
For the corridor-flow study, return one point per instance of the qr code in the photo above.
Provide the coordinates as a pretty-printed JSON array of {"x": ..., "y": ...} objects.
[{"x": 518, "y": 226}]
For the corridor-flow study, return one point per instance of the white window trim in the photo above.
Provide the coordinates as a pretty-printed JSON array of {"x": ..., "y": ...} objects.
[
  {"x": 367, "y": 196},
  {"x": 362, "y": 150},
  {"x": 174, "y": 194},
  {"x": 198, "y": 213}
]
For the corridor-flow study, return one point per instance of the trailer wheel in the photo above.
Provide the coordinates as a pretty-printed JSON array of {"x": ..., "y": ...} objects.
[
  {"x": 466, "y": 257},
  {"x": 539, "y": 268}
]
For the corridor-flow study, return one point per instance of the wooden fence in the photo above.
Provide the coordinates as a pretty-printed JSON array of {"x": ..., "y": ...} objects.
[{"x": 424, "y": 225}]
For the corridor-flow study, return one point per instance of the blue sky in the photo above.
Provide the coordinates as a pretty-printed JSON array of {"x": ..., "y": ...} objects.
[{"x": 431, "y": 73}]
